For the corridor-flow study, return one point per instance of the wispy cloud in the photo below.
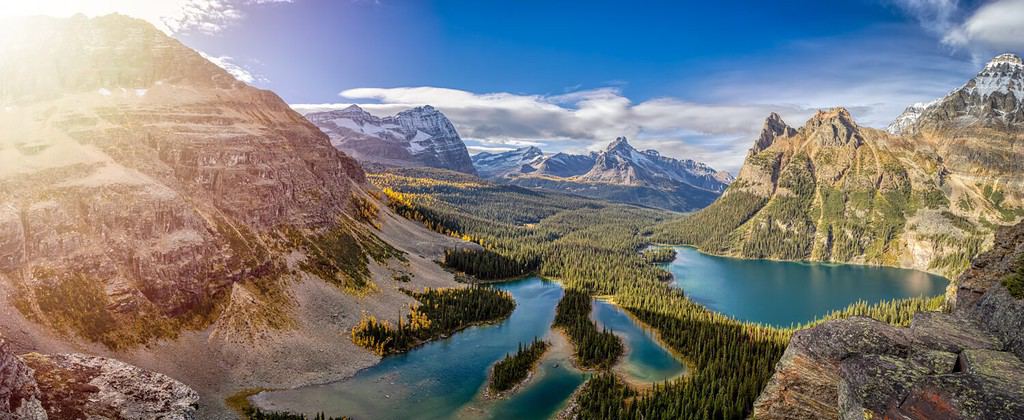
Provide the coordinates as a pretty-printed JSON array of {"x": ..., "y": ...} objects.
[
  {"x": 935, "y": 16},
  {"x": 231, "y": 66},
  {"x": 171, "y": 16},
  {"x": 582, "y": 120},
  {"x": 996, "y": 26},
  {"x": 874, "y": 74},
  {"x": 982, "y": 30}
]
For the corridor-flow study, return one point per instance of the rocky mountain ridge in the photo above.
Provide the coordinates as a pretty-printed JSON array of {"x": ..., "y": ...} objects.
[
  {"x": 993, "y": 98},
  {"x": 618, "y": 173},
  {"x": 832, "y": 190},
  {"x": 505, "y": 164},
  {"x": 155, "y": 210},
  {"x": 965, "y": 364},
  {"x": 420, "y": 136}
]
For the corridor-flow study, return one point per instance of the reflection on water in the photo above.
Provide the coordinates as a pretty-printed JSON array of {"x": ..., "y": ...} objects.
[
  {"x": 444, "y": 379},
  {"x": 645, "y": 359},
  {"x": 784, "y": 293}
]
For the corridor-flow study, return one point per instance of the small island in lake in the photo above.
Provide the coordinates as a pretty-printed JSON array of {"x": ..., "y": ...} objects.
[{"x": 514, "y": 369}]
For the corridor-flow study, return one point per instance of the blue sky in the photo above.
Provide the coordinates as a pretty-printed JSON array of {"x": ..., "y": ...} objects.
[{"x": 692, "y": 79}]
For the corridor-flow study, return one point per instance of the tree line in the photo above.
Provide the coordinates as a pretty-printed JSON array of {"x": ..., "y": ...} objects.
[
  {"x": 514, "y": 368},
  {"x": 593, "y": 349},
  {"x": 441, "y": 312},
  {"x": 594, "y": 248}
]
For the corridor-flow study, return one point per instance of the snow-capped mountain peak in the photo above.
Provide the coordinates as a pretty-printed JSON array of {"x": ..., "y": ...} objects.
[
  {"x": 620, "y": 144},
  {"x": 909, "y": 117},
  {"x": 622, "y": 164},
  {"x": 1005, "y": 60},
  {"x": 420, "y": 136},
  {"x": 497, "y": 165},
  {"x": 993, "y": 98}
]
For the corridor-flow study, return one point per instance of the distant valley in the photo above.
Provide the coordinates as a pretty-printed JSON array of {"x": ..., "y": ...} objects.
[
  {"x": 176, "y": 243},
  {"x": 424, "y": 137},
  {"x": 618, "y": 173}
]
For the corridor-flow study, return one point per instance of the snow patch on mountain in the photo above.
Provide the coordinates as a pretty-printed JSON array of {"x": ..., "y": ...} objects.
[
  {"x": 420, "y": 136},
  {"x": 994, "y": 97}
]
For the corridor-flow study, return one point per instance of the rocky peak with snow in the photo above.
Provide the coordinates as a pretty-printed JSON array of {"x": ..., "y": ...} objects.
[
  {"x": 421, "y": 136},
  {"x": 565, "y": 165},
  {"x": 1002, "y": 61},
  {"x": 622, "y": 164},
  {"x": 621, "y": 144},
  {"x": 503, "y": 164},
  {"x": 994, "y": 98},
  {"x": 908, "y": 118}
]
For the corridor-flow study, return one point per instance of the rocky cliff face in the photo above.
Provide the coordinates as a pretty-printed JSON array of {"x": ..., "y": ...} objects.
[
  {"x": 499, "y": 165},
  {"x": 619, "y": 173},
  {"x": 835, "y": 191},
  {"x": 993, "y": 98},
  {"x": 156, "y": 210},
  {"x": 421, "y": 136},
  {"x": 74, "y": 386},
  {"x": 564, "y": 165},
  {"x": 19, "y": 393},
  {"x": 965, "y": 364},
  {"x": 139, "y": 181},
  {"x": 621, "y": 164}
]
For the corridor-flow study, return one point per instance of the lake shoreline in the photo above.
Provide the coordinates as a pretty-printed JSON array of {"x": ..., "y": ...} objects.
[
  {"x": 656, "y": 335},
  {"x": 806, "y": 262},
  {"x": 787, "y": 294},
  {"x": 489, "y": 394}
]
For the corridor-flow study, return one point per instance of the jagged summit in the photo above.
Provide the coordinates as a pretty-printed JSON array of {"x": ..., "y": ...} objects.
[
  {"x": 424, "y": 110},
  {"x": 773, "y": 128},
  {"x": 909, "y": 117},
  {"x": 833, "y": 127},
  {"x": 618, "y": 173},
  {"x": 620, "y": 143},
  {"x": 839, "y": 114},
  {"x": 420, "y": 136},
  {"x": 1005, "y": 60},
  {"x": 622, "y": 164},
  {"x": 994, "y": 98},
  {"x": 498, "y": 165}
]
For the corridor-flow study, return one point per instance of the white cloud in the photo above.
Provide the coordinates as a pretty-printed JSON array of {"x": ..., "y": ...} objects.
[
  {"x": 936, "y": 16},
  {"x": 583, "y": 120},
  {"x": 241, "y": 73},
  {"x": 994, "y": 26},
  {"x": 997, "y": 26},
  {"x": 171, "y": 16}
]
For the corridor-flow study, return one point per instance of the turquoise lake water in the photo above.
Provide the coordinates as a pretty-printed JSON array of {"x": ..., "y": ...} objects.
[
  {"x": 443, "y": 379},
  {"x": 784, "y": 293}
]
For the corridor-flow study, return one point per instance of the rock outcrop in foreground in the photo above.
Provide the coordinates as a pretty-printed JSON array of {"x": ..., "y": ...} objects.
[
  {"x": 74, "y": 386},
  {"x": 965, "y": 364}
]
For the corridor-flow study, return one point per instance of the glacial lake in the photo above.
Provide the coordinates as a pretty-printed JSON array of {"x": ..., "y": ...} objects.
[
  {"x": 444, "y": 378},
  {"x": 785, "y": 293}
]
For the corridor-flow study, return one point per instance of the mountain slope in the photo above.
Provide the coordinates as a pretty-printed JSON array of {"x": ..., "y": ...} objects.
[
  {"x": 621, "y": 164},
  {"x": 618, "y": 173},
  {"x": 421, "y": 136},
  {"x": 834, "y": 191},
  {"x": 500, "y": 165},
  {"x": 992, "y": 99},
  {"x": 155, "y": 209}
]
